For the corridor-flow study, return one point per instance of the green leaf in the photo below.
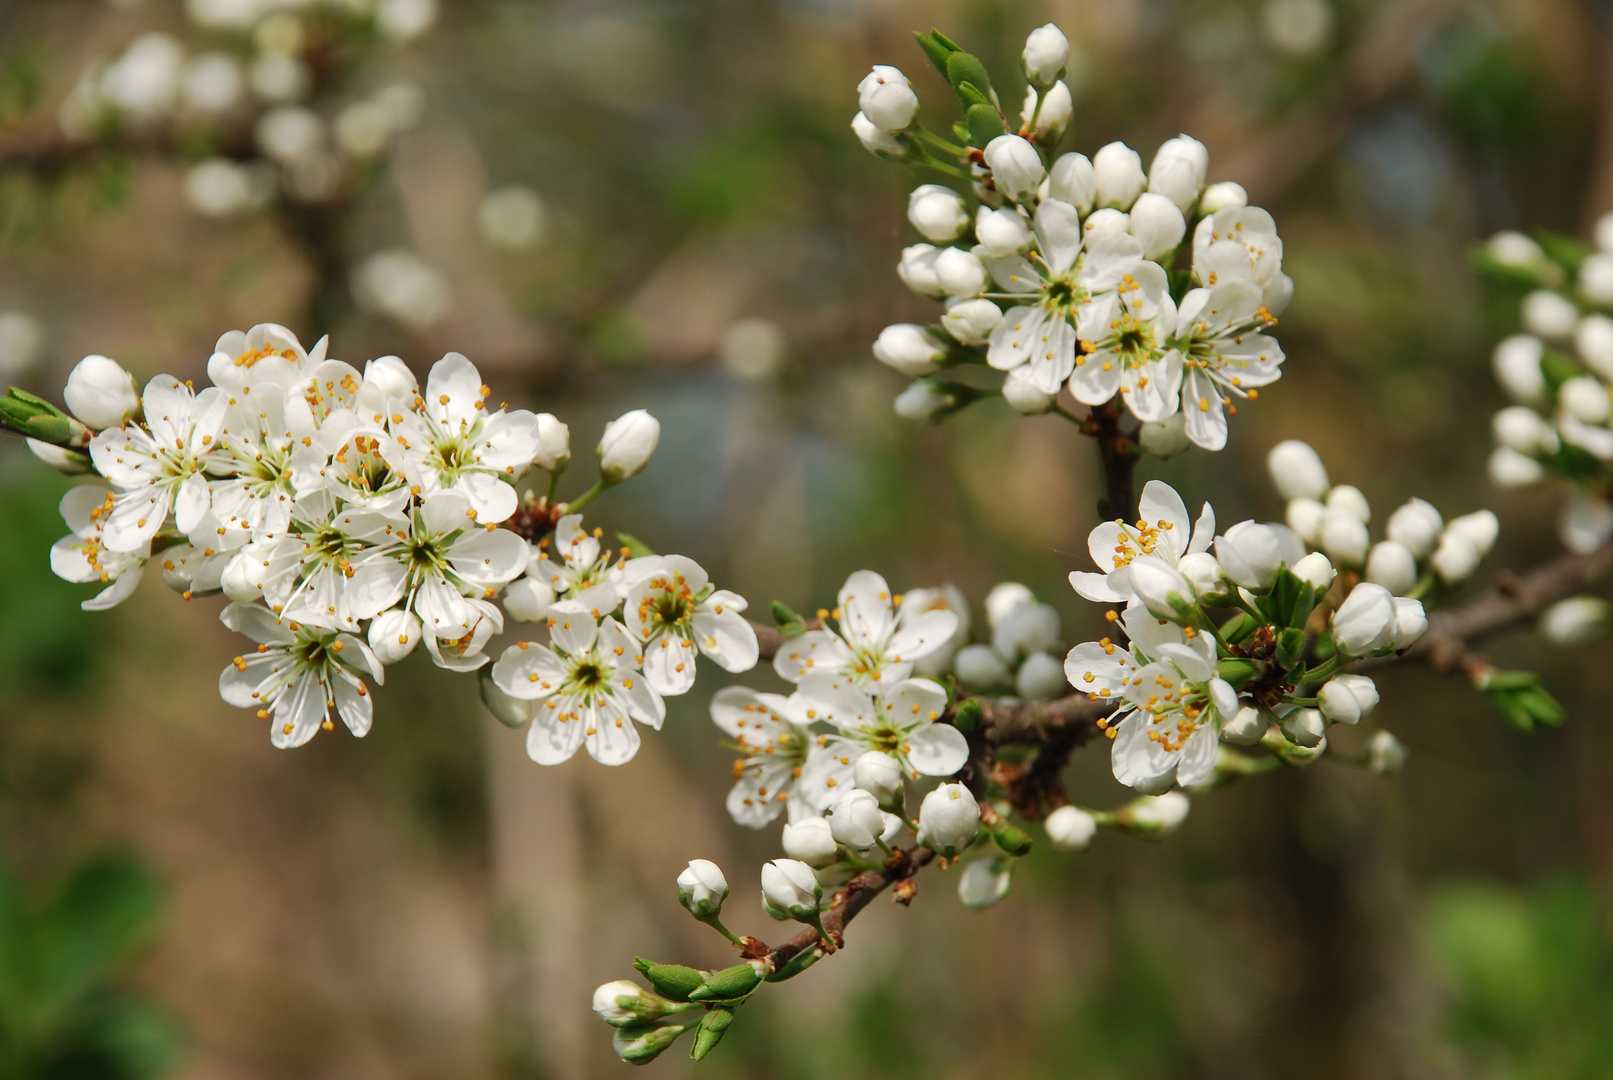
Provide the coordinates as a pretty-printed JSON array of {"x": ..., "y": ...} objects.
[
  {"x": 1010, "y": 837},
  {"x": 1566, "y": 251},
  {"x": 971, "y": 95},
  {"x": 671, "y": 980},
  {"x": 1290, "y": 600},
  {"x": 635, "y": 547},
  {"x": 965, "y": 67},
  {"x": 937, "y": 47},
  {"x": 1558, "y": 367},
  {"x": 960, "y": 131},
  {"x": 1239, "y": 628},
  {"x": 730, "y": 982},
  {"x": 710, "y": 1032},
  {"x": 1290, "y": 647},
  {"x": 790, "y": 623},
  {"x": 985, "y": 124},
  {"x": 1236, "y": 671},
  {"x": 968, "y": 716}
]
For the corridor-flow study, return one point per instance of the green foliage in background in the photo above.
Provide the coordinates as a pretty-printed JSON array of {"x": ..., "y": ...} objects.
[
  {"x": 63, "y": 1015},
  {"x": 43, "y": 633}
]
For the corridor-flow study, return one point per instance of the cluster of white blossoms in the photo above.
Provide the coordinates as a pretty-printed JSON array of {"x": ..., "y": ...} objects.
[
  {"x": 350, "y": 516},
  {"x": 1020, "y": 658},
  {"x": 1149, "y": 288},
  {"x": 263, "y": 72},
  {"x": 1559, "y": 373},
  {"x": 1297, "y": 602}
]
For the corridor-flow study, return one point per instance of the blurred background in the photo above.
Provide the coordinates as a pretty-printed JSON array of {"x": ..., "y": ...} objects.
[{"x": 660, "y": 204}]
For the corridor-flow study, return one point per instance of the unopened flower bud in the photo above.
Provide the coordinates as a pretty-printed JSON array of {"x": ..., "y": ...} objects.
[
  {"x": 1222, "y": 195},
  {"x": 1154, "y": 815},
  {"x": 1579, "y": 620},
  {"x": 887, "y": 98},
  {"x": 639, "y": 1045},
  {"x": 925, "y": 401},
  {"x": 1410, "y": 622},
  {"x": 1386, "y": 755},
  {"x": 1106, "y": 222},
  {"x": 1344, "y": 537},
  {"x": 1003, "y": 598},
  {"x": 1455, "y": 559},
  {"x": 984, "y": 882},
  {"x": 622, "y": 1003},
  {"x": 1316, "y": 571},
  {"x": 100, "y": 393},
  {"x": 1584, "y": 398},
  {"x": 1023, "y": 395},
  {"x": 856, "y": 821},
  {"x": 1204, "y": 574},
  {"x": 394, "y": 634},
  {"x": 1303, "y": 727},
  {"x": 949, "y": 817},
  {"x": 1418, "y": 526},
  {"x": 1162, "y": 588},
  {"x": 790, "y": 889},
  {"x": 1304, "y": 516},
  {"x": 917, "y": 270},
  {"x": 1479, "y": 528},
  {"x": 1365, "y": 623},
  {"x": 1015, "y": 166},
  {"x": 1120, "y": 176},
  {"x": 812, "y": 841},
  {"x": 1520, "y": 428},
  {"x": 1026, "y": 628},
  {"x": 1250, "y": 554},
  {"x": 1345, "y": 699},
  {"x": 1297, "y": 471},
  {"x": 1596, "y": 278},
  {"x": 1047, "y": 53},
  {"x": 877, "y": 142},
  {"x": 909, "y": 349},
  {"x": 1178, "y": 171},
  {"x": 1070, "y": 828},
  {"x": 960, "y": 272},
  {"x": 528, "y": 600},
  {"x": 1165, "y": 438},
  {"x": 627, "y": 444},
  {"x": 1074, "y": 180},
  {"x": 1041, "y": 678},
  {"x": 1516, "y": 362},
  {"x": 554, "y": 444},
  {"x": 1509, "y": 469},
  {"x": 972, "y": 321},
  {"x": 1053, "y": 112},
  {"x": 1348, "y": 498},
  {"x": 1392, "y": 565},
  {"x": 1002, "y": 232},
  {"x": 1157, "y": 223},
  {"x": 1511, "y": 248},
  {"x": 1247, "y": 726},
  {"x": 937, "y": 212},
  {"x": 1593, "y": 340},
  {"x": 702, "y": 889},
  {"x": 879, "y": 774},
  {"x": 980, "y": 668},
  {"x": 60, "y": 458},
  {"x": 1550, "y": 315}
]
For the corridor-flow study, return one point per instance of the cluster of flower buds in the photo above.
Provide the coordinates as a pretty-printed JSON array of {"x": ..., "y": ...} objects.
[
  {"x": 1148, "y": 288},
  {"x": 1559, "y": 373},
  {"x": 350, "y": 516}
]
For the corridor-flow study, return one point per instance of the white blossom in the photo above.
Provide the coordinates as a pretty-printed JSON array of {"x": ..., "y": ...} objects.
[
  {"x": 672, "y": 608},
  {"x": 1120, "y": 177},
  {"x": 771, "y": 731},
  {"x": 702, "y": 889},
  {"x": 901, "y": 720},
  {"x": 875, "y": 645},
  {"x": 949, "y": 818},
  {"x": 82, "y": 555},
  {"x": 1016, "y": 167},
  {"x": 1297, "y": 471}
]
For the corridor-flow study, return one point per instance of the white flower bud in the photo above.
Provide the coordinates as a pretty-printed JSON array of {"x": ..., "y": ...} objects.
[
  {"x": 1410, "y": 622},
  {"x": 937, "y": 212},
  {"x": 887, "y": 99},
  {"x": 1222, "y": 195},
  {"x": 1029, "y": 627},
  {"x": 984, "y": 882},
  {"x": 790, "y": 889},
  {"x": 980, "y": 668},
  {"x": 1154, "y": 815},
  {"x": 1047, "y": 53},
  {"x": 879, "y": 774},
  {"x": 1041, "y": 678},
  {"x": 1303, "y": 727},
  {"x": 1579, "y": 620},
  {"x": 1075, "y": 181},
  {"x": 1023, "y": 395},
  {"x": 1345, "y": 699},
  {"x": 924, "y": 401},
  {"x": 909, "y": 349},
  {"x": 1164, "y": 438},
  {"x": 1316, "y": 571},
  {"x": 917, "y": 270},
  {"x": 1393, "y": 566},
  {"x": 1519, "y": 428},
  {"x": 1455, "y": 559},
  {"x": 528, "y": 599},
  {"x": 59, "y": 458},
  {"x": 1157, "y": 223},
  {"x": 960, "y": 272},
  {"x": 1365, "y": 623},
  {"x": 702, "y": 889},
  {"x": 1203, "y": 573},
  {"x": 879, "y": 143},
  {"x": 1417, "y": 525},
  {"x": 972, "y": 321},
  {"x": 1053, "y": 117},
  {"x": 1162, "y": 588},
  {"x": 1304, "y": 516},
  {"x": 554, "y": 444},
  {"x": 1585, "y": 399},
  {"x": 1119, "y": 174},
  {"x": 1344, "y": 537},
  {"x": 1480, "y": 528},
  {"x": 949, "y": 817},
  {"x": 1516, "y": 362},
  {"x": 1002, "y": 232},
  {"x": 1247, "y": 726},
  {"x": 1015, "y": 166},
  {"x": 621, "y": 1003},
  {"x": 1510, "y": 248},
  {"x": 627, "y": 444},
  {"x": 1596, "y": 277},
  {"x": 393, "y": 635},
  {"x": 1297, "y": 471},
  {"x": 1178, "y": 171},
  {"x": 100, "y": 393},
  {"x": 856, "y": 821},
  {"x": 812, "y": 841},
  {"x": 1348, "y": 497},
  {"x": 1003, "y": 598},
  {"x": 1386, "y": 755},
  {"x": 1250, "y": 554},
  {"x": 1510, "y": 469},
  {"x": 1070, "y": 828},
  {"x": 1593, "y": 339},
  {"x": 236, "y": 581},
  {"x": 1550, "y": 315}
]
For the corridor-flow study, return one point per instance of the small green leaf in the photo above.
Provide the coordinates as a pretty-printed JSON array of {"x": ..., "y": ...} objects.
[
  {"x": 985, "y": 124},
  {"x": 1290, "y": 647},
  {"x": 937, "y": 47},
  {"x": 710, "y": 1032},
  {"x": 671, "y": 980},
  {"x": 730, "y": 982},
  {"x": 965, "y": 67},
  {"x": 637, "y": 548},
  {"x": 1010, "y": 837},
  {"x": 1239, "y": 627},
  {"x": 968, "y": 716},
  {"x": 790, "y": 623},
  {"x": 1237, "y": 671}
]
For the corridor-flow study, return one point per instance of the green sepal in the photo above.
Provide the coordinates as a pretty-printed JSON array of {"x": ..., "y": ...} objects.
[
  {"x": 710, "y": 1032},
  {"x": 637, "y": 548},
  {"x": 729, "y": 983},
  {"x": 965, "y": 67},
  {"x": 507, "y": 710},
  {"x": 643, "y": 1044},
  {"x": 968, "y": 716},
  {"x": 960, "y": 131},
  {"x": 938, "y": 47},
  {"x": 1236, "y": 671},
  {"x": 1558, "y": 367},
  {"x": 671, "y": 980},
  {"x": 985, "y": 124},
  {"x": 1010, "y": 838},
  {"x": 1239, "y": 628},
  {"x": 790, "y": 623},
  {"x": 1290, "y": 600},
  {"x": 1290, "y": 647},
  {"x": 798, "y": 963}
]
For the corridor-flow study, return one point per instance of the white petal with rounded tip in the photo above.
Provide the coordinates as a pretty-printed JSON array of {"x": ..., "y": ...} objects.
[
  {"x": 611, "y": 737},
  {"x": 515, "y": 670},
  {"x": 937, "y": 749},
  {"x": 551, "y": 740}
]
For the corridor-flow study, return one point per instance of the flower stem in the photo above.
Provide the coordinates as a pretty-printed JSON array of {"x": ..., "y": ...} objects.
[
  {"x": 554, "y": 487},
  {"x": 940, "y": 143},
  {"x": 586, "y": 497},
  {"x": 716, "y": 924}
]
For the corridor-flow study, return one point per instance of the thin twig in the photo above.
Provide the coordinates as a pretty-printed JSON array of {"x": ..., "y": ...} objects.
[{"x": 855, "y": 895}]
